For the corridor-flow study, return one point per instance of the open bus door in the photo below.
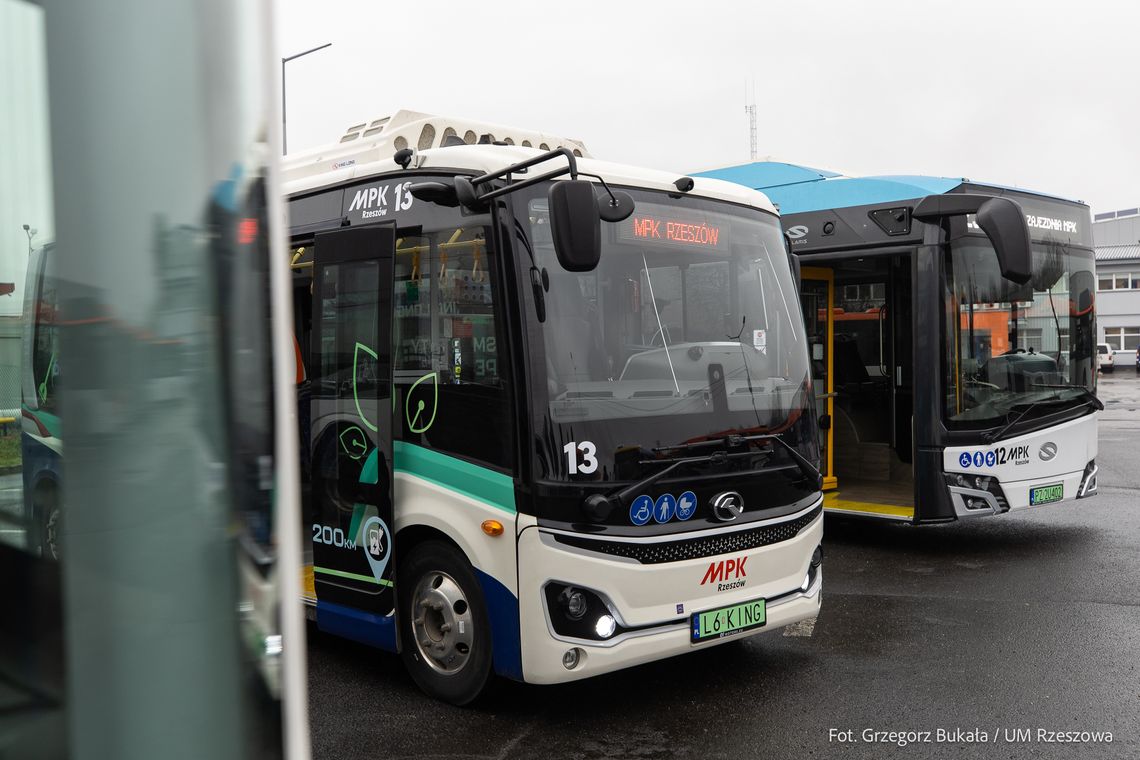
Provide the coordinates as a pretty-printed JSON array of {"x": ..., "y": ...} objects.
[
  {"x": 817, "y": 297},
  {"x": 351, "y": 525},
  {"x": 863, "y": 395}
]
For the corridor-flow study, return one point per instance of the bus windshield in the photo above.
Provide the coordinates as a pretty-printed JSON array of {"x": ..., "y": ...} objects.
[
  {"x": 688, "y": 330},
  {"x": 1009, "y": 346}
]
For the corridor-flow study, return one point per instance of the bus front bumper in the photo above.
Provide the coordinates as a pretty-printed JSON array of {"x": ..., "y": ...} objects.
[
  {"x": 1054, "y": 465},
  {"x": 653, "y": 603}
]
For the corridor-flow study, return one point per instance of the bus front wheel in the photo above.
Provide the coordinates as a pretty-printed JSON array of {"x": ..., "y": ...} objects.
[{"x": 444, "y": 628}]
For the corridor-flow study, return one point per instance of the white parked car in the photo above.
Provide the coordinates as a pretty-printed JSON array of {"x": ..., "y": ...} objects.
[{"x": 1106, "y": 360}]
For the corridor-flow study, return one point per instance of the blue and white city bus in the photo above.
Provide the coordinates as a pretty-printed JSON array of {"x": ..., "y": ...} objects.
[{"x": 557, "y": 413}]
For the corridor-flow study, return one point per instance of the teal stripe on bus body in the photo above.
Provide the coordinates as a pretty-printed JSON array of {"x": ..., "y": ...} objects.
[{"x": 479, "y": 483}]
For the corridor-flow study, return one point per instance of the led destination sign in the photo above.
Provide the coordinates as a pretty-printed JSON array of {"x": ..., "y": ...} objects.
[
  {"x": 689, "y": 233},
  {"x": 1048, "y": 220}
]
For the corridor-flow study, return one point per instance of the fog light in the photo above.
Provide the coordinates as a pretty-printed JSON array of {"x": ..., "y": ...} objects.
[
  {"x": 806, "y": 583},
  {"x": 817, "y": 556},
  {"x": 573, "y": 603},
  {"x": 962, "y": 481},
  {"x": 982, "y": 483},
  {"x": 571, "y": 658},
  {"x": 975, "y": 504},
  {"x": 605, "y": 626}
]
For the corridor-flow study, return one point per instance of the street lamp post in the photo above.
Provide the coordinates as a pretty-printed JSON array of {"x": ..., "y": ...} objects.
[
  {"x": 31, "y": 233},
  {"x": 284, "y": 61}
]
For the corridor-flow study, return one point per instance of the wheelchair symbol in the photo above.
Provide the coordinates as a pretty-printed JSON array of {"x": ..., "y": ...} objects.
[{"x": 641, "y": 510}]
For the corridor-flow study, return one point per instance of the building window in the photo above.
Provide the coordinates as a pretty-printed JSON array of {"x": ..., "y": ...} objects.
[
  {"x": 1118, "y": 281},
  {"x": 1031, "y": 338},
  {"x": 1122, "y": 338}
]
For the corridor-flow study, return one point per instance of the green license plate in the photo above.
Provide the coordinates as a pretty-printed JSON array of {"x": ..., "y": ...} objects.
[
  {"x": 726, "y": 621},
  {"x": 1046, "y": 494}
]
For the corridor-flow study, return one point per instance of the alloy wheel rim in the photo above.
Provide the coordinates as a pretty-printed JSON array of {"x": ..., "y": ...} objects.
[
  {"x": 442, "y": 624},
  {"x": 51, "y": 530}
]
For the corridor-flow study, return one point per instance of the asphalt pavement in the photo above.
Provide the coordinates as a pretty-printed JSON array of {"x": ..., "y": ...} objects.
[
  {"x": 1005, "y": 637},
  {"x": 12, "y": 530}
]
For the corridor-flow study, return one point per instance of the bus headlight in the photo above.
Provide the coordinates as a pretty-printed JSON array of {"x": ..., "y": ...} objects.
[
  {"x": 579, "y": 613},
  {"x": 985, "y": 483},
  {"x": 573, "y": 603}
]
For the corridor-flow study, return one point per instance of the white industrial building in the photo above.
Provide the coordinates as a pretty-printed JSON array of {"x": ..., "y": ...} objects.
[{"x": 1116, "y": 235}]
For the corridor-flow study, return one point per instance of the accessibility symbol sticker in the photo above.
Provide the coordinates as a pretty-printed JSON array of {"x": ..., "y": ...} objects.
[
  {"x": 641, "y": 510},
  {"x": 686, "y": 505},
  {"x": 991, "y": 459},
  {"x": 964, "y": 459},
  {"x": 979, "y": 459},
  {"x": 664, "y": 508}
]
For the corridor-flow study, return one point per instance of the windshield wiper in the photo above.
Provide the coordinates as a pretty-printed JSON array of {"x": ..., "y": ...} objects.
[
  {"x": 1086, "y": 394},
  {"x": 732, "y": 440},
  {"x": 660, "y": 327},
  {"x": 1087, "y": 397},
  {"x": 994, "y": 435}
]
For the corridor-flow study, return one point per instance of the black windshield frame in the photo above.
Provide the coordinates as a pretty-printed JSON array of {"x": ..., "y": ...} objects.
[
  {"x": 1048, "y": 326},
  {"x": 800, "y": 432}
]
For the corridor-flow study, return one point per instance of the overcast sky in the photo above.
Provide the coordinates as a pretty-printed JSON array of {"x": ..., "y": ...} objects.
[{"x": 1042, "y": 95}]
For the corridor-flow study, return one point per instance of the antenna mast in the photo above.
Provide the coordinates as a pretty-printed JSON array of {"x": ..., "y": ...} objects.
[{"x": 750, "y": 109}]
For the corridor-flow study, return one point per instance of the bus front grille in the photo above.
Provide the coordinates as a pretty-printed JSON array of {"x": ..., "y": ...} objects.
[{"x": 694, "y": 548}]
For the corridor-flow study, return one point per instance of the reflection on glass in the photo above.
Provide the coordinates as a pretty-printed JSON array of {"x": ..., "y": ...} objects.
[
  {"x": 32, "y": 672},
  {"x": 1009, "y": 345},
  {"x": 689, "y": 324},
  {"x": 141, "y": 614}
]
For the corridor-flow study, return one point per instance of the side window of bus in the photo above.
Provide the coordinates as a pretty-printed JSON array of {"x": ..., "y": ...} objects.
[
  {"x": 45, "y": 343},
  {"x": 450, "y": 375}
]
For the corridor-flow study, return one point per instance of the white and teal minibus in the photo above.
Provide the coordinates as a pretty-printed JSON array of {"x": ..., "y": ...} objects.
[{"x": 557, "y": 414}]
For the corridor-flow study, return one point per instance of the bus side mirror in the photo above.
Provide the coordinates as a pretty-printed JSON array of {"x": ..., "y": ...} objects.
[
  {"x": 1001, "y": 219},
  {"x": 575, "y": 225},
  {"x": 1004, "y": 224}
]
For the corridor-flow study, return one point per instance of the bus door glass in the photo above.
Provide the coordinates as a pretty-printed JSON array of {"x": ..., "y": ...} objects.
[
  {"x": 901, "y": 315},
  {"x": 817, "y": 298},
  {"x": 351, "y": 523}
]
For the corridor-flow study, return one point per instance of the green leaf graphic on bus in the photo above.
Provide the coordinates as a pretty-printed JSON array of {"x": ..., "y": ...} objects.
[
  {"x": 356, "y": 371},
  {"x": 354, "y": 442},
  {"x": 420, "y": 408}
]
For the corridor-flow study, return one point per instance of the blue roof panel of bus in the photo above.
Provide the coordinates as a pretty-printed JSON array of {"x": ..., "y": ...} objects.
[
  {"x": 797, "y": 189},
  {"x": 762, "y": 174}
]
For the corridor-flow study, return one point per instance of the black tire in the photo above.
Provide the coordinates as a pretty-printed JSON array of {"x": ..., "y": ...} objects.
[{"x": 426, "y": 565}]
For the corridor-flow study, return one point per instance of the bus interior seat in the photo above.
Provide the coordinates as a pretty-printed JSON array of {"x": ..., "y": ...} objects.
[
  {"x": 865, "y": 399},
  {"x": 849, "y": 366}
]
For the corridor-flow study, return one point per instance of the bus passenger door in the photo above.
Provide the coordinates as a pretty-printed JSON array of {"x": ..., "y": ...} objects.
[
  {"x": 817, "y": 297},
  {"x": 351, "y": 522}
]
